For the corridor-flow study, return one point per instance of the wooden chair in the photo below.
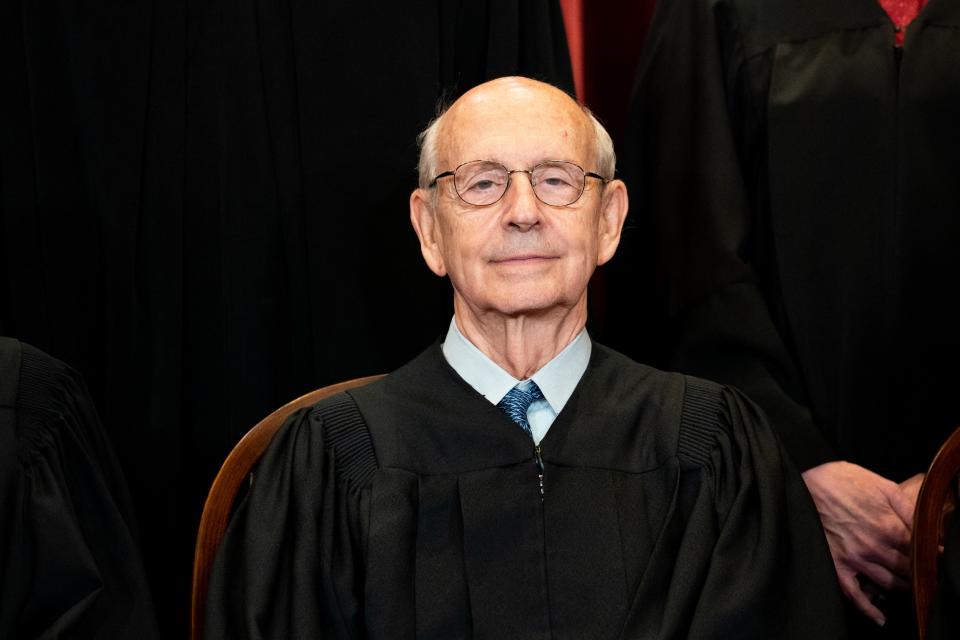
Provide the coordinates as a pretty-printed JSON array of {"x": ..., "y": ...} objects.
[
  {"x": 234, "y": 472},
  {"x": 938, "y": 488}
]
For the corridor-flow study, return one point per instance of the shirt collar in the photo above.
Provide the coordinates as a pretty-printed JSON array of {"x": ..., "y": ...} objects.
[{"x": 557, "y": 379}]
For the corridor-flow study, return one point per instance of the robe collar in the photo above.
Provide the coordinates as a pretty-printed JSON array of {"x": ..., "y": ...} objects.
[{"x": 557, "y": 379}]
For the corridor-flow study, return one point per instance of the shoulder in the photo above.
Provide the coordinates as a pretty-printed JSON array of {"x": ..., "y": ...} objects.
[
  {"x": 618, "y": 370},
  {"x": 43, "y": 382},
  {"x": 691, "y": 416},
  {"x": 363, "y": 429},
  {"x": 49, "y": 397},
  {"x": 330, "y": 435},
  {"x": 703, "y": 420},
  {"x": 760, "y": 24}
]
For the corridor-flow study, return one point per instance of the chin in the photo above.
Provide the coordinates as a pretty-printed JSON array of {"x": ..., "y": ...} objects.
[{"x": 528, "y": 305}]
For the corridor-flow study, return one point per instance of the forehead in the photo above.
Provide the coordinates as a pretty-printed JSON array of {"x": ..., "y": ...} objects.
[{"x": 517, "y": 123}]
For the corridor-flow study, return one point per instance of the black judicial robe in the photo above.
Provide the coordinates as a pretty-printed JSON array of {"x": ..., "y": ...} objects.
[
  {"x": 70, "y": 566},
  {"x": 796, "y": 179},
  {"x": 412, "y": 508}
]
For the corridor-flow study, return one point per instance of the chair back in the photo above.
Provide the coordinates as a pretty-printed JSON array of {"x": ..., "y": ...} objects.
[
  {"x": 937, "y": 486},
  {"x": 234, "y": 472}
]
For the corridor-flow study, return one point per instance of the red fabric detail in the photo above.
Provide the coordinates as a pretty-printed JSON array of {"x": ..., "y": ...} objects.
[
  {"x": 573, "y": 25},
  {"x": 902, "y": 13},
  {"x": 605, "y": 38},
  {"x": 613, "y": 35}
]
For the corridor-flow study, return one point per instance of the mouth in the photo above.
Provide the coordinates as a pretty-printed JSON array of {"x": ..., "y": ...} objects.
[{"x": 522, "y": 259}]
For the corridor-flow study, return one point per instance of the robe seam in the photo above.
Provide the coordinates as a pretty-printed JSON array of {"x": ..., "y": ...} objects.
[{"x": 421, "y": 474}]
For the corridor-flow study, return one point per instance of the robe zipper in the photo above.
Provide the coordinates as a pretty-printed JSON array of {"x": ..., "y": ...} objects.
[
  {"x": 536, "y": 451},
  {"x": 538, "y": 458}
]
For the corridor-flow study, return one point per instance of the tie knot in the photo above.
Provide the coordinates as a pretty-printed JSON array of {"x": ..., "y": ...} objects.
[{"x": 518, "y": 400}]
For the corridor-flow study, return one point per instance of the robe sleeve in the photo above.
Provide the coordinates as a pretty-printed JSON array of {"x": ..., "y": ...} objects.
[
  {"x": 290, "y": 565},
  {"x": 694, "y": 153},
  {"x": 769, "y": 573},
  {"x": 70, "y": 561},
  {"x": 741, "y": 553}
]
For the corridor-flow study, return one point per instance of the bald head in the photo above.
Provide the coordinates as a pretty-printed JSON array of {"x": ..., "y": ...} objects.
[{"x": 481, "y": 109}]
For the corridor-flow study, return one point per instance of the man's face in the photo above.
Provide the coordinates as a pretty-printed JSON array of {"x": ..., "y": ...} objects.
[{"x": 518, "y": 256}]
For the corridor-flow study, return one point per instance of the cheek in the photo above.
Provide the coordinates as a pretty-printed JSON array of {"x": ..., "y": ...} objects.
[
  {"x": 585, "y": 243},
  {"x": 584, "y": 255},
  {"x": 461, "y": 248}
]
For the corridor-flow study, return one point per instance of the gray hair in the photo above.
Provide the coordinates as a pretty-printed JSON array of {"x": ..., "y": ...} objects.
[{"x": 427, "y": 142}]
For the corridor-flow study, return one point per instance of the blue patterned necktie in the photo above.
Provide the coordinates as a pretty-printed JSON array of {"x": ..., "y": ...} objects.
[{"x": 518, "y": 400}]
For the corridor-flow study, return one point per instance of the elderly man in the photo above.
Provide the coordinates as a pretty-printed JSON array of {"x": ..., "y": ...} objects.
[{"x": 515, "y": 480}]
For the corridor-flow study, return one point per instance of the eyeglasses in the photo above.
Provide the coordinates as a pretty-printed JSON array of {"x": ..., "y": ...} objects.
[{"x": 482, "y": 183}]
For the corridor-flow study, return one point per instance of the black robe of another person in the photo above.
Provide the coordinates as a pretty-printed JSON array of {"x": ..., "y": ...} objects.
[
  {"x": 795, "y": 175},
  {"x": 412, "y": 508},
  {"x": 795, "y": 179},
  {"x": 69, "y": 562}
]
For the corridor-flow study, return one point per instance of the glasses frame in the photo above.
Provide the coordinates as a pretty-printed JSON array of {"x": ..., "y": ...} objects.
[{"x": 529, "y": 172}]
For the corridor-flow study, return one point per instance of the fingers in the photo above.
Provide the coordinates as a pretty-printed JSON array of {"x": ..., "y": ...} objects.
[
  {"x": 903, "y": 505},
  {"x": 904, "y": 500},
  {"x": 912, "y": 484},
  {"x": 886, "y": 579},
  {"x": 890, "y": 539},
  {"x": 851, "y": 589},
  {"x": 875, "y": 553}
]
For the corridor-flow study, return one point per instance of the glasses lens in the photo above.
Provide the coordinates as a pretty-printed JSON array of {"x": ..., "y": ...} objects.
[
  {"x": 558, "y": 183},
  {"x": 480, "y": 183}
]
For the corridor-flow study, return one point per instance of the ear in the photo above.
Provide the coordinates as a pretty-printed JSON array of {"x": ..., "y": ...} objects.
[
  {"x": 613, "y": 213},
  {"x": 423, "y": 216}
]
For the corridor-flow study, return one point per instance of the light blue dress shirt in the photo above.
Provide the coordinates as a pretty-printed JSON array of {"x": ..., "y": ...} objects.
[{"x": 557, "y": 379}]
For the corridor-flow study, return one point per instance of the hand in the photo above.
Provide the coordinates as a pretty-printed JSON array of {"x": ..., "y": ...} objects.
[
  {"x": 910, "y": 489},
  {"x": 867, "y": 520}
]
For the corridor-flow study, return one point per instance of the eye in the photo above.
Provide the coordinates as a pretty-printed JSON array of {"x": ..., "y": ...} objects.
[
  {"x": 555, "y": 181},
  {"x": 482, "y": 185},
  {"x": 557, "y": 178},
  {"x": 483, "y": 180}
]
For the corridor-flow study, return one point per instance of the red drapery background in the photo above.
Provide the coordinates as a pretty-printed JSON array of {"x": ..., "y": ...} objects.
[{"x": 605, "y": 39}]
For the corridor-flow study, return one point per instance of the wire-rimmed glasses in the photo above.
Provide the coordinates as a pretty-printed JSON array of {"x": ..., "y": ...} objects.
[{"x": 482, "y": 183}]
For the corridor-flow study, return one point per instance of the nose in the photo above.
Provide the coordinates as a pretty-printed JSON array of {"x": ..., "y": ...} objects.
[{"x": 522, "y": 207}]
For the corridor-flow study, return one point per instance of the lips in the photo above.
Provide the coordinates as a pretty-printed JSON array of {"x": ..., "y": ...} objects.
[{"x": 522, "y": 259}]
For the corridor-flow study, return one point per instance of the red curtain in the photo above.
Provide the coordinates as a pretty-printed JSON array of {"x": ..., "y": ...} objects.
[{"x": 605, "y": 39}]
